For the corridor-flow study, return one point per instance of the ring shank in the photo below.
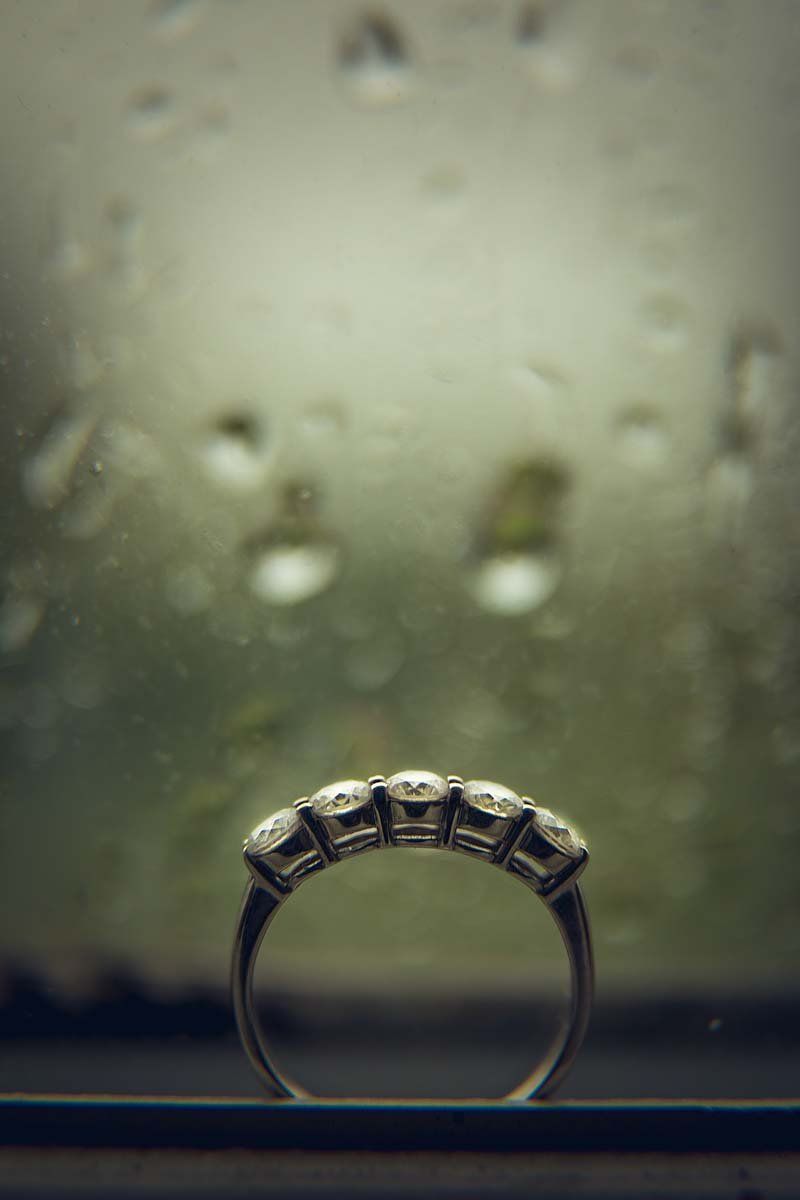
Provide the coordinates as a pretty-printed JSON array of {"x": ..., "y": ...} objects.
[
  {"x": 255, "y": 917},
  {"x": 569, "y": 912},
  {"x": 570, "y": 915}
]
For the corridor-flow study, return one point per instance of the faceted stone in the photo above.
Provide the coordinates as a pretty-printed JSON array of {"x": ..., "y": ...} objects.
[
  {"x": 492, "y": 798},
  {"x": 273, "y": 830},
  {"x": 417, "y": 785},
  {"x": 558, "y": 832},
  {"x": 344, "y": 796}
]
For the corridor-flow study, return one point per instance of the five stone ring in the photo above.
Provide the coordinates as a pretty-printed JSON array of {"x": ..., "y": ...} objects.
[{"x": 416, "y": 808}]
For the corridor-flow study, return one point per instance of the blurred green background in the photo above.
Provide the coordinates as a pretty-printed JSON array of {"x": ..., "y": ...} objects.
[{"x": 412, "y": 386}]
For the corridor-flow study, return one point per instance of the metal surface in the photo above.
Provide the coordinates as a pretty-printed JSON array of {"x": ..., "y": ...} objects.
[{"x": 507, "y": 832}]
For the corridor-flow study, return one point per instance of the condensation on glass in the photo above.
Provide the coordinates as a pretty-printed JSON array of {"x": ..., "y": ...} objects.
[{"x": 406, "y": 385}]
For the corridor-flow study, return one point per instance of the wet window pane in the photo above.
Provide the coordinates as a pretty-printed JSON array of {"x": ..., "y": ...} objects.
[{"x": 410, "y": 385}]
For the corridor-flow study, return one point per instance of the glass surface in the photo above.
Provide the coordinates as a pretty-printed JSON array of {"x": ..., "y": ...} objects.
[{"x": 403, "y": 386}]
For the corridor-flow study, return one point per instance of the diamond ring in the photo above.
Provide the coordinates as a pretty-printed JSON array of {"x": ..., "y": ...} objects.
[{"x": 416, "y": 808}]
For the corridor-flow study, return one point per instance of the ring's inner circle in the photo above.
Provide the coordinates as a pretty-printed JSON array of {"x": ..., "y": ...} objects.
[{"x": 409, "y": 973}]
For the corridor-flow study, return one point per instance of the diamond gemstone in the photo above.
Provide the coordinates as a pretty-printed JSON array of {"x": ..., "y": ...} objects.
[
  {"x": 417, "y": 785},
  {"x": 273, "y": 830},
  {"x": 492, "y": 798},
  {"x": 558, "y": 832},
  {"x": 344, "y": 796}
]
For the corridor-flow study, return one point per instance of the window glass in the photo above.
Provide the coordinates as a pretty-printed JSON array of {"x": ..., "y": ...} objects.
[{"x": 403, "y": 386}]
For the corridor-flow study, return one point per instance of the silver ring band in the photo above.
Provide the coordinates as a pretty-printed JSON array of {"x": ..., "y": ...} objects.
[{"x": 481, "y": 819}]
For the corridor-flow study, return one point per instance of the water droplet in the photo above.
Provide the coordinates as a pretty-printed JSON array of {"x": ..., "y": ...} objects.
[
  {"x": 150, "y": 113},
  {"x": 643, "y": 439},
  {"x": 46, "y": 477},
  {"x": 175, "y": 19},
  {"x": 753, "y": 367},
  {"x": 518, "y": 565},
  {"x": 512, "y": 584},
  {"x": 524, "y": 512},
  {"x": 374, "y": 61},
  {"x": 188, "y": 590},
  {"x": 666, "y": 323},
  {"x": 542, "y": 381},
  {"x": 531, "y": 24},
  {"x": 753, "y": 364},
  {"x": 20, "y": 617},
  {"x": 553, "y": 67},
  {"x": 235, "y": 453},
  {"x": 293, "y": 573}
]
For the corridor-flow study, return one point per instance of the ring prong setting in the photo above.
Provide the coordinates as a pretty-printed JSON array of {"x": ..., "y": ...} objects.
[{"x": 483, "y": 819}]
